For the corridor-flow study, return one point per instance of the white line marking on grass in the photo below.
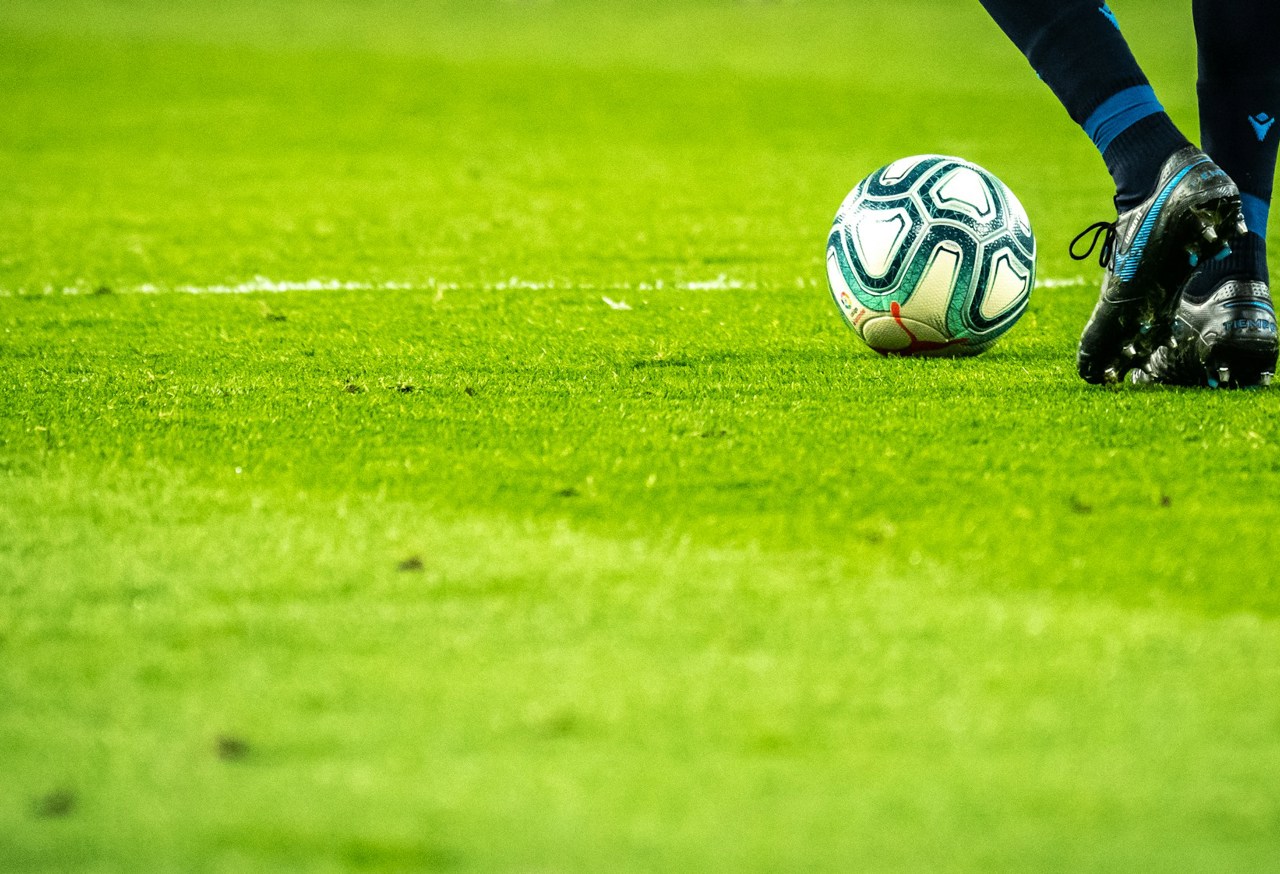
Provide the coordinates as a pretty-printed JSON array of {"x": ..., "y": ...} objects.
[
  {"x": 262, "y": 283},
  {"x": 1061, "y": 282},
  {"x": 265, "y": 285},
  {"x": 720, "y": 283},
  {"x": 257, "y": 285}
]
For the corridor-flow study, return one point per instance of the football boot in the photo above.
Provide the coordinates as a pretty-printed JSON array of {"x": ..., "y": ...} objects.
[
  {"x": 1227, "y": 340},
  {"x": 1148, "y": 252}
]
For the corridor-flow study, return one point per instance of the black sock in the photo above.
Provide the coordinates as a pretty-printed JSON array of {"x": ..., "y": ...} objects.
[
  {"x": 1076, "y": 47},
  {"x": 1136, "y": 154},
  {"x": 1246, "y": 259},
  {"x": 1239, "y": 88}
]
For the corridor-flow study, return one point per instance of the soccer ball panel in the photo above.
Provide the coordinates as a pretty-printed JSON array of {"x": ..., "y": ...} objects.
[
  {"x": 930, "y": 302},
  {"x": 877, "y": 236},
  {"x": 901, "y": 335},
  {"x": 1017, "y": 214},
  {"x": 962, "y": 189},
  {"x": 901, "y": 176},
  {"x": 901, "y": 168},
  {"x": 872, "y": 277},
  {"x": 1009, "y": 285},
  {"x": 1021, "y": 225}
]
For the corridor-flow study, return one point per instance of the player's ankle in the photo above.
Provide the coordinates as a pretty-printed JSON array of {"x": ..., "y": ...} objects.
[{"x": 1136, "y": 156}]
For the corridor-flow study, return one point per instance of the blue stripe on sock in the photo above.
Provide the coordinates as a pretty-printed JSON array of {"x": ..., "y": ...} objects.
[
  {"x": 1118, "y": 112},
  {"x": 1255, "y": 213}
]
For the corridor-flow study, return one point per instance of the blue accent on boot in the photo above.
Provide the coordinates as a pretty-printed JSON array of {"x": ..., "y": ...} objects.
[
  {"x": 1263, "y": 305},
  {"x": 1126, "y": 263},
  {"x": 1111, "y": 16},
  {"x": 1255, "y": 213},
  {"x": 1119, "y": 112}
]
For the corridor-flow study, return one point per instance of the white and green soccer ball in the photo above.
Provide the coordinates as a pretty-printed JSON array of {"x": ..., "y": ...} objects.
[{"x": 931, "y": 255}]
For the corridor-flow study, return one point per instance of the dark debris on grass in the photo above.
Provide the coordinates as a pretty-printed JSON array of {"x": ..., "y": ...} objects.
[
  {"x": 660, "y": 362},
  {"x": 56, "y": 804},
  {"x": 230, "y": 747}
]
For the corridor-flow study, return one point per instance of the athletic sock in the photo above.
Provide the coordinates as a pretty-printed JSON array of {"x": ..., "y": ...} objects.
[
  {"x": 1246, "y": 259},
  {"x": 1076, "y": 48},
  {"x": 1239, "y": 89},
  {"x": 1134, "y": 156}
]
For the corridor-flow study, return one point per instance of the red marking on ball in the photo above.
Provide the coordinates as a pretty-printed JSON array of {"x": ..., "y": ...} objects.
[{"x": 917, "y": 346}]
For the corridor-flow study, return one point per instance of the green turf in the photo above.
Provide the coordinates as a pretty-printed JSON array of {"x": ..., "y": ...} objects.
[{"x": 477, "y": 574}]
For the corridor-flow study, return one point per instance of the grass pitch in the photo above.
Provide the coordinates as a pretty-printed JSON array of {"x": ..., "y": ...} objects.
[{"x": 349, "y": 521}]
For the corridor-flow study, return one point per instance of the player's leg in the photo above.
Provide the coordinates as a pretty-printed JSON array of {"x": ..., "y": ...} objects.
[
  {"x": 1239, "y": 89},
  {"x": 1173, "y": 203},
  {"x": 1077, "y": 49},
  {"x": 1226, "y": 326}
]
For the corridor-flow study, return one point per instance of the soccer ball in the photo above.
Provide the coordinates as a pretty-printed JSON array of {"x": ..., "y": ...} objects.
[{"x": 931, "y": 256}]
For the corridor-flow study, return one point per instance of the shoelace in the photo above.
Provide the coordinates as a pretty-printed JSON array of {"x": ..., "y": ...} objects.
[{"x": 1105, "y": 230}]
